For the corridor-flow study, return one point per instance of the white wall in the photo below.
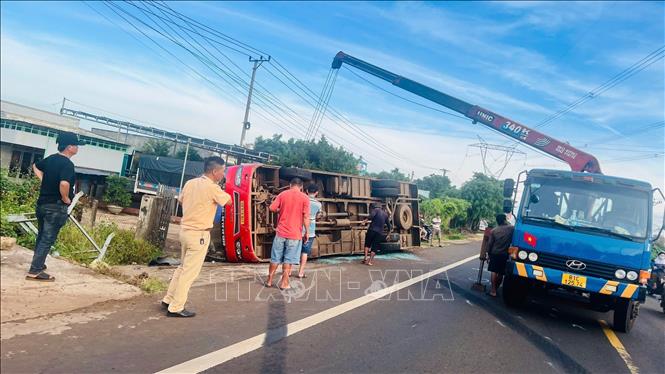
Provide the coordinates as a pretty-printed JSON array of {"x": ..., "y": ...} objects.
[{"x": 89, "y": 156}]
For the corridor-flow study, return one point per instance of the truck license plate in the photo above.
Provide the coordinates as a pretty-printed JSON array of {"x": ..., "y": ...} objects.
[{"x": 573, "y": 280}]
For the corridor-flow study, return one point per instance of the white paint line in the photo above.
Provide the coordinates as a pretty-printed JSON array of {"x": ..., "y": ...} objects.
[
  {"x": 223, "y": 355},
  {"x": 579, "y": 327}
]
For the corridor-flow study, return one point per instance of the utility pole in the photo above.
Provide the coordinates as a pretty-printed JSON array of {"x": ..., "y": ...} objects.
[
  {"x": 245, "y": 122},
  {"x": 444, "y": 171}
]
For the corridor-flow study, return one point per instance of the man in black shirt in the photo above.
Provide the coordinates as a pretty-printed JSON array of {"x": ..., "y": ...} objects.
[
  {"x": 497, "y": 246},
  {"x": 55, "y": 194},
  {"x": 374, "y": 235}
]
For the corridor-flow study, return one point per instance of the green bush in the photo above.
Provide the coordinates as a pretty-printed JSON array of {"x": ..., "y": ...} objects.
[
  {"x": 16, "y": 196},
  {"x": 117, "y": 191},
  {"x": 123, "y": 250}
]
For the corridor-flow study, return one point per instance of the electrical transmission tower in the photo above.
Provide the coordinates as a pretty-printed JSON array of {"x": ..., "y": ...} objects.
[{"x": 504, "y": 155}]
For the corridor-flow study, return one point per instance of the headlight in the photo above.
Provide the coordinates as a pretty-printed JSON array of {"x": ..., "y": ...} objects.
[
  {"x": 522, "y": 255},
  {"x": 620, "y": 274},
  {"x": 631, "y": 275},
  {"x": 238, "y": 178},
  {"x": 533, "y": 257}
]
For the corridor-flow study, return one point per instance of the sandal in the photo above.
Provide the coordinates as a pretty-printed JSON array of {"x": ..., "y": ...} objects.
[
  {"x": 41, "y": 277},
  {"x": 267, "y": 285},
  {"x": 302, "y": 276}
]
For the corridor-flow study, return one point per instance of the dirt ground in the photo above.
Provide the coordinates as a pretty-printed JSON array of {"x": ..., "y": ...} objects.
[{"x": 75, "y": 287}]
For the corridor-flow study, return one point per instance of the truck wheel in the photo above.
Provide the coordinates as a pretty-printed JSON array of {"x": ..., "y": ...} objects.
[
  {"x": 385, "y": 192},
  {"x": 515, "y": 291},
  {"x": 385, "y": 183},
  {"x": 290, "y": 173},
  {"x": 625, "y": 313},
  {"x": 404, "y": 216},
  {"x": 662, "y": 298}
]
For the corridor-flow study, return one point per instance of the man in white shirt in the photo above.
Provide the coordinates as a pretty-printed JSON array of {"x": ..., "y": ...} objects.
[{"x": 436, "y": 229}]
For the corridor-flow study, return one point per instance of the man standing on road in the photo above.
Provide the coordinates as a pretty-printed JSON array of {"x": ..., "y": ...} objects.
[
  {"x": 55, "y": 194},
  {"x": 308, "y": 241},
  {"x": 292, "y": 206},
  {"x": 199, "y": 198},
  {"x": 498, "y": 243},
  {"x": 436, "y": 229},
  {"x": 374, "y": 235}
]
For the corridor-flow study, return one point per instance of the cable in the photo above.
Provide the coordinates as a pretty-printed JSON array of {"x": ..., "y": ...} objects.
[
  {"x": 402, "y": 97},
  {"x": 637, "y": 67}
]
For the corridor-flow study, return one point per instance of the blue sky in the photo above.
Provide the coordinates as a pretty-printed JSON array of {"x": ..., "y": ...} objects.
[{"x": 524, "y": 60}]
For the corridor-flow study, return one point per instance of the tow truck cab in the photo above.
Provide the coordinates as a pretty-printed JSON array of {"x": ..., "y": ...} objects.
[{"x": 586, "y": 234}]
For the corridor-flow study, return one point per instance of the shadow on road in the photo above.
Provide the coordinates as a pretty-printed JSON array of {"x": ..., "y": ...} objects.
[
  {"x": 569, "y": 364},
  {"x": 274, "y": 355}
]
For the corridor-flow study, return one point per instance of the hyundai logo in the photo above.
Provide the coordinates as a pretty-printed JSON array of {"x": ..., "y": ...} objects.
[{"x": 576, "y": 264}]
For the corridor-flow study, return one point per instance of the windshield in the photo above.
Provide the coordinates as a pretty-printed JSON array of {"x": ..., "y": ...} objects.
[{"x": 592, "y": 206}]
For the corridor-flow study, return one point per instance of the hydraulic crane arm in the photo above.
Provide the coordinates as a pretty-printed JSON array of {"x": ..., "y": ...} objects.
[{"x": 578, "y": 160}]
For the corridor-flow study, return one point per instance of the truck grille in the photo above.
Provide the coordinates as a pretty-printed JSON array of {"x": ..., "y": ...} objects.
[{"x": 593, "y": 269}]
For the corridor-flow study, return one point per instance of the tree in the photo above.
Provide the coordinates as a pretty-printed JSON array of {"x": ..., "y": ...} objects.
[
  {"x": 394, "y": 174},
  {"x": 486, "y": 197},
  {"x": 157, "y": 147},
  {"x": 437, "y": 185},
  {"x": 192, "y": 155},
  {"x": 453, "y": 211},
  {"x": 319, "y": 155}
]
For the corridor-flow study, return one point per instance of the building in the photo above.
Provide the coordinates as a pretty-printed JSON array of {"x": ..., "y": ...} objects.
[
  {"x": 28, "y": 134},
  {"x": 136, "y": 142}
]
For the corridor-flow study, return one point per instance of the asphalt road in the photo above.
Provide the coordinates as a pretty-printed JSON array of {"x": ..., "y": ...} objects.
[{"x": 435, "y": 325}]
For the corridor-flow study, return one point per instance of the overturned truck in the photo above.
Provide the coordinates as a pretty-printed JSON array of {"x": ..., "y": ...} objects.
[{"x": 246, "y": 228}]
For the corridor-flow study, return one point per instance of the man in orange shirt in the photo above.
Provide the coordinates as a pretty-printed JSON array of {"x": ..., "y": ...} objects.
[
  {"x": 200, "y": 198},
  {"x": 293, "y": 208}
]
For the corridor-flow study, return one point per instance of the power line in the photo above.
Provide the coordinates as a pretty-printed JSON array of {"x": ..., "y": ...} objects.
[
  {"x": 112, "y": 6},
  {"x": 402, "y": 97},
  {"x": 627, "y": 73}
]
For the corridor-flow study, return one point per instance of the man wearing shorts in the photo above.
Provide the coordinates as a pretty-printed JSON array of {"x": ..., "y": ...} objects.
[
  {"x": 374, "y": 235},
  {"x": 497, "y": 246},
  {"x": 308, "y": 241},
  {"x": 293, "y": 208}
]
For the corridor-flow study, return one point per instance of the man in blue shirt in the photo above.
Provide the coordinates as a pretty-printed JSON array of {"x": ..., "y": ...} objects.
[{"x": 314, "y": 210}]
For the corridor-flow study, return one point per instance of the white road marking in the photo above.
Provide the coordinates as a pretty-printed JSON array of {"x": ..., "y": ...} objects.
[
  {"x": 500, "y": 323},
  {"x": 579, "y": 327},
  {"x": 225, "y": 354}
]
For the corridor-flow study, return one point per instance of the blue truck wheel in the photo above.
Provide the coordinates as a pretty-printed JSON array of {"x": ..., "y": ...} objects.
[{"x": 625, "y": 314}]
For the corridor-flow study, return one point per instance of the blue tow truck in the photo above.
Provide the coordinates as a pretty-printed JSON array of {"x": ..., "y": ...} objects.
[
  {"x": 589, "y": 235},
  {"x": 579, "y": 231}
]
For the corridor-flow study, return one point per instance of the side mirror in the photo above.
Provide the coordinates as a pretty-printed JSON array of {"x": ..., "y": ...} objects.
[
  {"x": 534, "y": 199},
  {"x": 507, "y": 206},
  {"x": 508, "y": 187},
  {"x": 662, "y": 225}
]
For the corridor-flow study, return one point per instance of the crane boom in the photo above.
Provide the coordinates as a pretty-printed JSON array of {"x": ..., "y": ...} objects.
[{"x": 576, "y": 159}]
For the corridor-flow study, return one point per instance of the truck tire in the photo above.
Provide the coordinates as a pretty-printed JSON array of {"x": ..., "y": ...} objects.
[
  {"x": 290, "y": 173},
  {"x": 385, "y": 192},
  {"x": 390, "y": 247},
  {"x": 385, "y": 183},
  {"x": 404, "y": 216},
  {"x": 625, "y": 313},
  {"x": 515, "y": 291},
  {"x": 662, "y": 298}
]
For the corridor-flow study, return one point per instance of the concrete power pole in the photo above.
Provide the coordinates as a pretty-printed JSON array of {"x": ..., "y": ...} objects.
[{"x": 245, "y": 122}]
